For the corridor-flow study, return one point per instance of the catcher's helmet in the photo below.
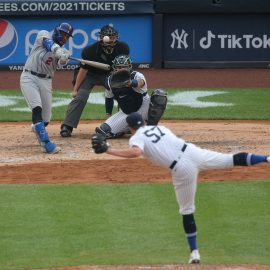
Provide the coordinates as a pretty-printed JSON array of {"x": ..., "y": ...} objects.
[
  {"x": 112, "y": 33},
  {"x": 122, "y": 61},
  {"x": 57, "y": 35}
]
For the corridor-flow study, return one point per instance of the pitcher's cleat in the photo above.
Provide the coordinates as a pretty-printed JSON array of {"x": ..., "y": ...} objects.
[{"x": 195, "y": 257}]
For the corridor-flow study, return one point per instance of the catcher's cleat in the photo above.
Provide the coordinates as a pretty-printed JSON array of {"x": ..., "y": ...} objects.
[
  {"x": 66, "y": 131},
  {"x": 117, "y": 135},
  {"x": 194, "y": 257}
]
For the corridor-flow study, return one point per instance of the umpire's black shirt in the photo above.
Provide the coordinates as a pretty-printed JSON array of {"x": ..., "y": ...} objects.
[{"x": 95, "y": 53}]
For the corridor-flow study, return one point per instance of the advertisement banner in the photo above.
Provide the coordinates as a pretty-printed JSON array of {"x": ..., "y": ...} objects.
[
  {"x": 17, "y": 37},
  {"x": 197, "y": 40},
  {"x": 71, "y": 7}
]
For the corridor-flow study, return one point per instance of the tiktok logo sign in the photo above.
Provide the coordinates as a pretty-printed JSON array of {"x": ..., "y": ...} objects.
[
  {"x": 209, "y": 39},
  {"x": 206, "y": 42},
  {"x": 231, "y": 41}
]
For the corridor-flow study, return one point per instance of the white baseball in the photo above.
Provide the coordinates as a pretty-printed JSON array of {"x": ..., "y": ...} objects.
[{"x": 106, "y": 39}]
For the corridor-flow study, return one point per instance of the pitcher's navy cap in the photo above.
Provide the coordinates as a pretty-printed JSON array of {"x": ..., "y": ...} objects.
[{"x": 135, "y": 120}]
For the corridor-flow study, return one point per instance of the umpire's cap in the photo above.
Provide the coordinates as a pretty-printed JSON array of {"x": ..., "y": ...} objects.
[{"x": 135, "y": 120}]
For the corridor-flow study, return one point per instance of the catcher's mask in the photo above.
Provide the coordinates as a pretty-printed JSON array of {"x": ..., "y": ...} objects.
[
  {"x": 111, "y": 32},
  {"x": 61, "y": 33},
  {"x": 122, "y": 62}
]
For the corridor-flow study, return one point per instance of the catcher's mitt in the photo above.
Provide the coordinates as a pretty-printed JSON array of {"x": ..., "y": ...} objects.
[
  {"x": 99, "y": 143},
  {"x": 120, "y": 78}
]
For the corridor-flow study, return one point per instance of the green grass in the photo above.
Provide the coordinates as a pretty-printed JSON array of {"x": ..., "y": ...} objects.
[
  {"x": 246, "y": 104},
  {"x": 57, "y": 225}
]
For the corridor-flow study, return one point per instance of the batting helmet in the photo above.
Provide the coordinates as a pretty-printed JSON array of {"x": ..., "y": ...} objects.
[
  {"x": 122, "y": 61},
  {"x": 57, "y": 35},
  {"x": 112, "y": 33}
]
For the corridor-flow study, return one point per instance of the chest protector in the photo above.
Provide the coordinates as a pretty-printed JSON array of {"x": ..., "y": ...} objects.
[{"x": 128, "y": 100}]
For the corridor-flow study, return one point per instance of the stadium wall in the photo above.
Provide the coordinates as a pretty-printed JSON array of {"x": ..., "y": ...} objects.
[{"x": 161, "y": 33}]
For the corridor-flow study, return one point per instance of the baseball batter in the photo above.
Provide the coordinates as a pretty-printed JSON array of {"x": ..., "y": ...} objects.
[
  {"x": 131, "y": 97},
  {"x": 36, "y": 79},
  {"x": 185, "y": 160}
]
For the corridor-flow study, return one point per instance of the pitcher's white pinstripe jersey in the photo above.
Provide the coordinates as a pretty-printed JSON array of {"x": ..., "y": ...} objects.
[{"x": 185, "y": 160}]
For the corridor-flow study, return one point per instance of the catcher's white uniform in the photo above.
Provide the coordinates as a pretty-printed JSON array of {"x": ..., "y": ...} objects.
[
  {"x": 117, "y": 122},
  {"x": 185, "y": 160}
]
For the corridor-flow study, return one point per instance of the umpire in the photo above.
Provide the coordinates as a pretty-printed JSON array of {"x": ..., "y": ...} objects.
[{"x": 87, "y": 77}]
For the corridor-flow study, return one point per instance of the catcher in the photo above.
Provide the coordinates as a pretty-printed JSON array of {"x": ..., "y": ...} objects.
[{"x": 129, "y": 89}]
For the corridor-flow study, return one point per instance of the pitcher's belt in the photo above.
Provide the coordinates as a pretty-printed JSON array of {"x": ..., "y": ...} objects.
[{"x": 175, "y": 161}]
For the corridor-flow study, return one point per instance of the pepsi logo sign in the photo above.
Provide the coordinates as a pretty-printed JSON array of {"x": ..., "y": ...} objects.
[{"x": 8, "y": 39}]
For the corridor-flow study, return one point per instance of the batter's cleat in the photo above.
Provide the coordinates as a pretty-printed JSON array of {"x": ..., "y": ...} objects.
[
  {"x": 51, "y": 148},
  {"x": 44, "y": 140},
  {"x": 66, "y": 131},
  {"x": 34, "y": 130},
  {"x": 195, "y": 257},
  {"x": 268, "y": 159}
]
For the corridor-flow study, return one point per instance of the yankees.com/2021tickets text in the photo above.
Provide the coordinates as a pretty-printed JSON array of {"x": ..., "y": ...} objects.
[{"x": 61, "y": 6}]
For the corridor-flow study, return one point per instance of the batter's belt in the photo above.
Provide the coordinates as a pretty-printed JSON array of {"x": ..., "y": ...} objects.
[
  {"x": 44, "y": 76},
  {"x": 175, "y": 161}
]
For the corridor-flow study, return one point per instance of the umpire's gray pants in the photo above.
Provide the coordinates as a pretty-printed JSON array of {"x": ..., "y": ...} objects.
[{"x": 76, "y": 106}]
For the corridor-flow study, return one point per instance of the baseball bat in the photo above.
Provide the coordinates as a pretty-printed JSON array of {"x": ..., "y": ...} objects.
[{"x": 92, "y": 63}]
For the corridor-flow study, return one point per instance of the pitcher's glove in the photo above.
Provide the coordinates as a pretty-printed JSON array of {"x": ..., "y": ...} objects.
[
  {"x": 120, "y": 78},
  {"x": 99, "y": 143}
]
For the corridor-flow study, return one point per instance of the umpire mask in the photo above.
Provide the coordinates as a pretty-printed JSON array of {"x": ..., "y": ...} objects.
[{"x": 111, "y": 32}]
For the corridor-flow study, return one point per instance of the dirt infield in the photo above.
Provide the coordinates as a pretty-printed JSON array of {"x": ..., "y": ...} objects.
[{"x": 22, "y": 160}]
